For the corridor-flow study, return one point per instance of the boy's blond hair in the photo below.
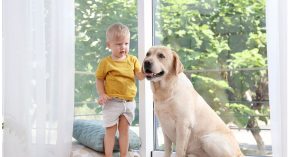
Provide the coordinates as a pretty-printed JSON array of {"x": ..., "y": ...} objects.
[{"x": 116, "y": 31}]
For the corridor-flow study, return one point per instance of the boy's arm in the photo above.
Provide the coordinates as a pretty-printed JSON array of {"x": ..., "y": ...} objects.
[
  {"x": 140, "y": 75},
  {"x": 101, "y": 91},
  {"x": 100, "y": 86}
]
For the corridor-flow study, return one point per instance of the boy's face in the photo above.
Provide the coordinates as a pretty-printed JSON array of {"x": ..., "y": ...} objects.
[{"x": 119, "y": 47}]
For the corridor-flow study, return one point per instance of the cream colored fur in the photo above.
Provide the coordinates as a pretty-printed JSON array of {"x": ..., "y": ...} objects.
[{"x": 186, "y": 119}]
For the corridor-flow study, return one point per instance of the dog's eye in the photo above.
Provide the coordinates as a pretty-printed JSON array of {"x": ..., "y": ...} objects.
[
  {"x": 148, "y": 54},
  {"x": 161, "y": 55}
]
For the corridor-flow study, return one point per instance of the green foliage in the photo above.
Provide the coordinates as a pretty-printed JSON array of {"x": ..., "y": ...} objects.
[
  {"x": 247, "y": 59},
  {"x": 212, "y": 90},
  {"x": 244, "y": 113},
  {"x": 225, "y": 40}
]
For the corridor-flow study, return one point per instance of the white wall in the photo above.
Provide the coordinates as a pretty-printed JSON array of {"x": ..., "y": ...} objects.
[{"x": 293, "y": 77}]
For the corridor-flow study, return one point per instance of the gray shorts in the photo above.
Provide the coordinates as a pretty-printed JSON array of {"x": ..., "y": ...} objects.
[{"x": 114, "y": 108}]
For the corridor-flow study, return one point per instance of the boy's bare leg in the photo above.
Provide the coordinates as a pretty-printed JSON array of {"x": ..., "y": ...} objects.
[
  {"x": 109, "y": 140},
  {"x": 123, "y": 135}
]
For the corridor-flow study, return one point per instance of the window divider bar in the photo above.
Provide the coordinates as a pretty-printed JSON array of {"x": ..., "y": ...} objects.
[{"x": 145, "y": 32}]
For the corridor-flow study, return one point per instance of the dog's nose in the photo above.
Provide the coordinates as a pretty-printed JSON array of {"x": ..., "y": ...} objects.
[{"x": 147, "y": 64}]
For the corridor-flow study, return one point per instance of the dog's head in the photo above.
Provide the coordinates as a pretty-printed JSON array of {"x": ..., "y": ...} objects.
[{"x": 161, "y": 61}]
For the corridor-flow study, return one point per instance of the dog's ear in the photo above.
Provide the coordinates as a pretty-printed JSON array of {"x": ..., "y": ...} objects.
[{"x": 178, "y": 66}]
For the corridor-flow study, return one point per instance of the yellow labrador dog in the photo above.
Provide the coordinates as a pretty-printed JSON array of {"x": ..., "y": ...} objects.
[{"x": 186, "y": 119}]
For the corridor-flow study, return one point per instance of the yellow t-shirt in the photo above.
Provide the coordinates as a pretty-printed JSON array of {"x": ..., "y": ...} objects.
[{"x": 119, "y": 76}]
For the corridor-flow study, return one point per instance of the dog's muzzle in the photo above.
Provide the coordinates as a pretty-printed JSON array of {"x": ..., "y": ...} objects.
[
  {"x": 147, "y": 65},
  {"x": 148, "y": 70}
]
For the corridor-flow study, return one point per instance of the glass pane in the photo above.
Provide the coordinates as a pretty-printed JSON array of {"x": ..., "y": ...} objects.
[
  {"x": 222, "y": 44},
  {"x": 92, "y": 19}
]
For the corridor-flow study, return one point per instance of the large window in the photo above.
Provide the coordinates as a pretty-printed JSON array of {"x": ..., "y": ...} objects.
[{"x": 222, "y": 44}]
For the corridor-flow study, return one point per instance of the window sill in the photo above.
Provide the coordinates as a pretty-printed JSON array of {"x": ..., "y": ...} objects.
[{"x": 161, "y": 154}]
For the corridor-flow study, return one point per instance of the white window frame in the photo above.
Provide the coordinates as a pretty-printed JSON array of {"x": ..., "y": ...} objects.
[
  {"x": 281, "y": 80},
  {"x": 145, "y": 32},
  {"x": 1, "y": 97},
  {"x": 283, "y": 63},
  {"x": 291, "y": 12},
  {"x": 276, "y": 28}
]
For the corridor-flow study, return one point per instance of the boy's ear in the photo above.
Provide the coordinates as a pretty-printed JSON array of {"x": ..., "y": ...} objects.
[{"x": 107, "y": 44}]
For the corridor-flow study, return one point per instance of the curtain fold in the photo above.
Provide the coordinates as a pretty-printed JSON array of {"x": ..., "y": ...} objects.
[{"x": 38, "y": 80}]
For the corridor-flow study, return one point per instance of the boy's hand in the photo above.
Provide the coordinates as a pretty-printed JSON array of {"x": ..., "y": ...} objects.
[
  {"x": 103, "y": 98},
  {"x": 140, "y": 75}
]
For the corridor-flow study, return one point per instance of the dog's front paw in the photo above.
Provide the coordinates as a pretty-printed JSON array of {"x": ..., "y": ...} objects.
[
  {"x": 167, "y": 154},
  {"x": 181, "y": 153}
]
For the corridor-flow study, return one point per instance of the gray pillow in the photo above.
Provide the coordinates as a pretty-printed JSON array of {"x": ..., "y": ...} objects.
[{"x": 91, "y": 134}]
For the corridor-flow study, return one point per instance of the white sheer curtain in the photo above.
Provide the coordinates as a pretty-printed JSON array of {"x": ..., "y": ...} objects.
[{"x": 38, "y": 77}]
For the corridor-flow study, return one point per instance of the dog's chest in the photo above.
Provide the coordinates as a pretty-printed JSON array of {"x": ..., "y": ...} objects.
[
  {"x": 167, "y": 119},
  {"x": 165, "y": 111}
]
